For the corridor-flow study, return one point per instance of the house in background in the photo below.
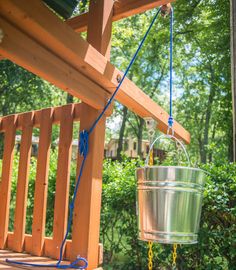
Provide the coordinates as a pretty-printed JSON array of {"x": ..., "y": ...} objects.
[
  {"x": 130, "y": 149},
  {"x": 35, "y": 145}
]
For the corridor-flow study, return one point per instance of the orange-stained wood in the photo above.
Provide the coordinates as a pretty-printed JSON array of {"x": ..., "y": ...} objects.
[
  {"x": 86, "y": 221},
  {"x": 35, "y": 58},
  {"x": 122, "y": 9},
  {"x": 5, "y": 186},
  {"x": 41, "y": 24},
  {"x": 41, "y": 182},
  {"x": 48, "y": 244},
  {"x": 23, "y": 257},
  {"x": 37, "y": 117},
  {"x": 22, "y": 182},
  {"x": 62, "y": 179},
  {"x": 99, "y": 34}
]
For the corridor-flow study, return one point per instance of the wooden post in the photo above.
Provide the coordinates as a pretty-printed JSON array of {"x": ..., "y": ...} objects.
[
  {"x": 41, "y": 182},
  {"x": 22, "y": 182},
  {"x": 86, "y": 222},
  {"x": 62, "y": 179},
  {"x": 233, "y": 72},
  {"x": 5, "y": 184}
]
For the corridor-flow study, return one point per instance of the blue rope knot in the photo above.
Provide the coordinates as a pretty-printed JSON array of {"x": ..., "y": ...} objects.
[
  {"x": 83, "y": 142},
  {"x": 170, "y": 121},
  {"x": 72, "y": 205}
]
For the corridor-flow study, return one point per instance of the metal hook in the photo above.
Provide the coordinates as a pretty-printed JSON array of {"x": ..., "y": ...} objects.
[
  {"x": 166, "y": 10},
  {"x": 170, "y": 129}
]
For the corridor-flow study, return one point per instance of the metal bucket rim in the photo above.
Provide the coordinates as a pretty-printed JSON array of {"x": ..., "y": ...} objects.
[{"x": 176, "y": 167}]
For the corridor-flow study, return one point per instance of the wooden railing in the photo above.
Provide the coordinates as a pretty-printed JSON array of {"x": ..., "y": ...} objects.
[{"x": 37, "y": 243}]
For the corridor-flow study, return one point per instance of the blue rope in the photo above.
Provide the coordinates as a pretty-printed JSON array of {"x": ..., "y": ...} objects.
[
  {"x": 83, "y": 150},
  {"x": 171, "y": 120},
  {"x": 126, "y": 72}
]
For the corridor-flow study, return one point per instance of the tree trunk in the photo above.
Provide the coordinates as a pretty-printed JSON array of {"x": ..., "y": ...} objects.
[
  {"x": 212, "y": 139},
  {"x": 140, "y": 136},
  {"x": 69, "y": 99},
  {"x": 208, "y": 118},
  {"x": 122, "y": 132},
  {"x": 230, "y": 147},
  {"x": 233, "y": 73}
]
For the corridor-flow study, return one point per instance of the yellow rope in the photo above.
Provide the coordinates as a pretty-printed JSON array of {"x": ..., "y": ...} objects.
[
  {"x": 150, "y": 244},
  {"x": 174, "y": 255},
  {"x": 150, "y": 255}
]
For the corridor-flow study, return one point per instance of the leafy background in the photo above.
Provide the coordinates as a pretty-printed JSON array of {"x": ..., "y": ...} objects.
[{"x": 202, "y": 104}]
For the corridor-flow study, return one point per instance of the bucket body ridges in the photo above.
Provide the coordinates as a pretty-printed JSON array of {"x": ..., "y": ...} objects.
[{"x": 169, "y": 203}]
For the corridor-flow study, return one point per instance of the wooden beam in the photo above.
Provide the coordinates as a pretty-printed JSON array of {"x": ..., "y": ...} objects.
[
  {"x": 122, "y": 9},
  {"x": 86, "y": 221},
  {"x": 27, "y": 53},
  {"x": 233, "y": 71},
  {"x": 40, "y": 23}
]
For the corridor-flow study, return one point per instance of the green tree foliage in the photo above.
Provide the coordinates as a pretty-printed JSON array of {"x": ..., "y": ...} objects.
[
  {"x": 22, "y": 91},
  {"x": 202, "y": 43},
  {"x": 202, "y": 92},
  {"x": 149, "y": 69}
]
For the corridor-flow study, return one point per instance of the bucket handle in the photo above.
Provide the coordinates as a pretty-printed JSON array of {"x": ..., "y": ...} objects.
[{"x": 167, "y": 136}]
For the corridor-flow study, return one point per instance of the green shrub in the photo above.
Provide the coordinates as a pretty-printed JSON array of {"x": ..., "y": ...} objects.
[
  {"x": 217, "y": 237},
  {"x": 122, "y": 249}
]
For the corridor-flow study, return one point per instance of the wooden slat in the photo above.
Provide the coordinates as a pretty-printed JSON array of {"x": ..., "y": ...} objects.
[
  {"x": 5, "y": 187},
  {"x": 62, "y": 179},
  {"x": 37, "y": 117},
  {"x": 41, "y": 183},
  {"x": 42, "y": 25},
  {"x": 48, "y": 243},
  {"x": 86, "y": 221},
  {"x": 23, "y": 257},
  {"x": 50, "y": 67},
  {"x": 22, "y": 182},
  {"x": 122, "y": 9}
]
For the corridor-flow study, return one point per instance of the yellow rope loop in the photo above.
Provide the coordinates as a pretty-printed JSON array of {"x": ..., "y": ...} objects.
[
  {"x": 150, "y": 255},
  {"x": 150, "y": 244},
  {"x": 151, "y": 158},
  {"x": 174, "y": 255}
]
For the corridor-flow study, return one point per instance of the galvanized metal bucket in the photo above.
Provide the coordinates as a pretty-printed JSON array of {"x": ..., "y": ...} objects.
[{"x": 169, "y": 202}]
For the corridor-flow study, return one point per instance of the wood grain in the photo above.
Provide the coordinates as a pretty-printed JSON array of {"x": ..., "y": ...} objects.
[
  {"x": 5, "y": 187},
  {"x": 41, "y": 182}
]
